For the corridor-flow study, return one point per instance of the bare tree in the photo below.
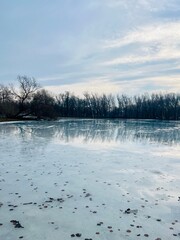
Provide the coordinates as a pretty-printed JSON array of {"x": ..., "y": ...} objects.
[
  {"x": 43, "y": 105},
  {"x": 89, "y": 104},
  {"x": 5, "y": 94},
  {"x": 27, "y": 87},
  {"x": 8, "y": 108}
]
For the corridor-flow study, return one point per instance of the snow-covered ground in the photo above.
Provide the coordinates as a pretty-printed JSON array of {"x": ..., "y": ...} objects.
[{"x": 90, "y": 179}]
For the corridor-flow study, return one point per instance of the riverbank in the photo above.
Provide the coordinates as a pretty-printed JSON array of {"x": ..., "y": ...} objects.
[{"x": 8, "y": 119}]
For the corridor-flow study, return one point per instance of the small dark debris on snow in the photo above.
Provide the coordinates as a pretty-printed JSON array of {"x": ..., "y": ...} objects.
[{"x": 16, "y": 224}]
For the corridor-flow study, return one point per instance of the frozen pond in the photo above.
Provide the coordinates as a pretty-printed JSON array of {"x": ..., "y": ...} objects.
[{"x": 90, "y": 179}]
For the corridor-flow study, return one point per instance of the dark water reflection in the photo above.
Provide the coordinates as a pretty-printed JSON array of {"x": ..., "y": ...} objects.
[{"x": 164, "y": 132}]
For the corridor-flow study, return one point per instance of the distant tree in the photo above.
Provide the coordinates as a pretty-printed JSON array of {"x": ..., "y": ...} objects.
[
  {"x": 5, "y": 94},
  {"x": 8, "y": 108},
  {"x": 89, "y": 105},
  {"x": 27, "y": 100},
  {"x": 43, "y": 105},
  {"x": 27, "y": 87}
]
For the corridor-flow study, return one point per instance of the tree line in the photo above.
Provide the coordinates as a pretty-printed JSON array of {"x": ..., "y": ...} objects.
[{"x": 29, "y": 100}]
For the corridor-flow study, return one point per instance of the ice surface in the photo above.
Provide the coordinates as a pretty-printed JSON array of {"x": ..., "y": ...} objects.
[{"x": 80, "y": 176}]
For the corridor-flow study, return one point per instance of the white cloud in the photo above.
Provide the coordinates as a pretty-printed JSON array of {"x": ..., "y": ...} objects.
[
  {"x": 74, "y": 56},
  {"x": 149, "y": 5},
  {"x": 164, "y": 33},
  {"x": 100, "y": 85},
  {"x": 137, "y": 86},
  {"x": 151, "y": 43},
  {"x": 163, "y": 54}
]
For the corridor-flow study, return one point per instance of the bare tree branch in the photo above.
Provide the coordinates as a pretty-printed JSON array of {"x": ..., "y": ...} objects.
[{"x": 27, "y": 86}]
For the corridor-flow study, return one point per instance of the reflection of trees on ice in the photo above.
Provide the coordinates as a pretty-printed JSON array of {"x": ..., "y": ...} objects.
[{"x": 98, "y": 130}]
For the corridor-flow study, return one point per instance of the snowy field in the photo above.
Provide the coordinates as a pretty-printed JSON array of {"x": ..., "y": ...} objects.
[{"x": 90, "y": 179}]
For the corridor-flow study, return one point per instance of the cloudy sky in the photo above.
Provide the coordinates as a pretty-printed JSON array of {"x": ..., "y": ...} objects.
[{"x": 111, "y": 46}]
